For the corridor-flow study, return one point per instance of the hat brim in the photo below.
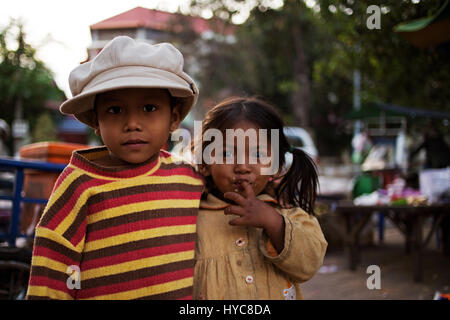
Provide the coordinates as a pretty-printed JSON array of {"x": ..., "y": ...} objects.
[{"x": 81, "y": 106}]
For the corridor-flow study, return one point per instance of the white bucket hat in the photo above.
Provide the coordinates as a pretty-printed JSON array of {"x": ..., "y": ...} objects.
[{"x": 126, "y": 63}]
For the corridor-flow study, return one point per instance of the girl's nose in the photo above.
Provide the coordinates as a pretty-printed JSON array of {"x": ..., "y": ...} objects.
[{"x": 242, "y": 168}]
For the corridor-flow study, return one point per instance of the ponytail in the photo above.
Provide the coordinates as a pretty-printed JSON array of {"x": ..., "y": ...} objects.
[{"x": 298, "y": 186}]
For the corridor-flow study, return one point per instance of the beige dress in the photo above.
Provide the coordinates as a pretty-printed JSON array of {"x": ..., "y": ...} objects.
[{"x": 234, "y": 262}]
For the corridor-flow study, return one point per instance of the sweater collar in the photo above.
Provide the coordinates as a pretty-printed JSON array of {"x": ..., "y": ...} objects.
[
  {"x": 214, "y": 203},
  {"x": 85, "y": 160}
]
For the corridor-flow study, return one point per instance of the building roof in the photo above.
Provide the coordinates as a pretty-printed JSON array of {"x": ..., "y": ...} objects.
[{"x": 147, "y": 18}]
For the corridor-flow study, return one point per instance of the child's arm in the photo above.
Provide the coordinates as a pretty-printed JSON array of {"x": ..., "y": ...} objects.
[
  {"x": 292, "y": 239},
  {"x": 304, "y": 245},
  {"x": 59, "y": 239}
]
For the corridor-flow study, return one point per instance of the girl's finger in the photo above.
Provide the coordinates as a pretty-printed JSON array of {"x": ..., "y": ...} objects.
[
  {"x": 236, "y": 197},
  {"x": 234, "y": 210},
  {"x": 237, "y": 222},
  {"x": 248, "y": 190}
]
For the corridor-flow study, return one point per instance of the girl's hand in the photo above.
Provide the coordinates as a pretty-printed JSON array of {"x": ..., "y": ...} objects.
[{"x": 253, "y": 212}]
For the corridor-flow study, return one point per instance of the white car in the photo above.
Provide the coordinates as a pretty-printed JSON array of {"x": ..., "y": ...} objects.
[{"x": 300, "y": 138}]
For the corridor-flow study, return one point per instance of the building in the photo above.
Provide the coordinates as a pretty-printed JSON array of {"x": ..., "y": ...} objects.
[
  {"x": 187, "y": 33},
  {"x": 153, "y": 26}
]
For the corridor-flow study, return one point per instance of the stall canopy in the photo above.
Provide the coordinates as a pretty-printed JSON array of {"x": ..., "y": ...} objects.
[
  {"x": 377, "y": 109},
  {"x": 428, "y": 31}
]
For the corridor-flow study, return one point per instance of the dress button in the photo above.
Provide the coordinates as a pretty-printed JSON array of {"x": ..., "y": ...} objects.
[
  {"x": 240, "y": 242},
  {"x": 249, "y": 279}
]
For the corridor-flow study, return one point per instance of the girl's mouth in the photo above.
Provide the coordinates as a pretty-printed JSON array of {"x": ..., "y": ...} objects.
[{"x": 237, "y": 185}]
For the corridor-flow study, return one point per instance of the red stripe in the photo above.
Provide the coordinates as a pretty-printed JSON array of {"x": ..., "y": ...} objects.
[
  {"x": 65, "y": 210},
  {"x": 164, "y": 153},
  {"x": 142, "y": 197},
  {"x": 137, "y": 255},
  {"x": 79, "y": 234},
  {"x": 186, "y": 298},
  {"x": 62, "y": 177},
  {"x": 140, "y": 225},
  {"x": 135, "y": 284},
  {"x": 176, "y": 171},
  {"x": 54, "y": 255},
  {"x": 51, "y": 283}
]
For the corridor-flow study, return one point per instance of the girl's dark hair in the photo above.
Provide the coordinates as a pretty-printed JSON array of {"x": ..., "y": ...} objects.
[{"x": 299, "y": 184}]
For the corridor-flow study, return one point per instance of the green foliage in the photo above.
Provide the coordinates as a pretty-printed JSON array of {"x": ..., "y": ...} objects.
[
  {"x": 335, "y": 41},
  {"x": 23, "y": 77},
  {"x": 45, "y": 128}
]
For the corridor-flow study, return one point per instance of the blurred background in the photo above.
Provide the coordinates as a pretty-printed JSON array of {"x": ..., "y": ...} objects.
[{"x": 363, "y": 85}]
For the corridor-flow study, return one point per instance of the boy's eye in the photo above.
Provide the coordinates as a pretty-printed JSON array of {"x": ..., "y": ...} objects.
[
  {"x": 114, "y": 109},
  {"x": 149, "y": 107}
]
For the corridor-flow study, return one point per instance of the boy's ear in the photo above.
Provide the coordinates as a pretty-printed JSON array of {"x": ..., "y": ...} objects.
[
  {"x": 96, "y": 125},
  {"x": 175, "y": 118}
]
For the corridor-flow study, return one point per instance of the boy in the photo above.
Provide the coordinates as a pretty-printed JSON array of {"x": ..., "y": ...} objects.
[{"x": 120, "y": 223}]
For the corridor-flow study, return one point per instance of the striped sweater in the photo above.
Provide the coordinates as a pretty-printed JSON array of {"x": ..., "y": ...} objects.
[{"x": 128, "y": 233}]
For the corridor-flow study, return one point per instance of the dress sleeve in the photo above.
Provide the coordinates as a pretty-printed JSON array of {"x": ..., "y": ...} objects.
[
  {"x": 304, "y": 246},
  {"x": 59, "y": 241}
]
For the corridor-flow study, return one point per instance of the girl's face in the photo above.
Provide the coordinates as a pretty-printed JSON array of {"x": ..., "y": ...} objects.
[
  {"x": 227, "y": 177},
  {"x": 134, "y": 123}
]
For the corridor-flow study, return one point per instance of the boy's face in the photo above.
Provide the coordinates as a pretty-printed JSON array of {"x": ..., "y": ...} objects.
[{"x": 134, "y": 123}]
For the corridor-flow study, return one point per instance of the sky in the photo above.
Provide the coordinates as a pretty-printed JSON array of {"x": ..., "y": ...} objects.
[{"x": 59, "y": 30}]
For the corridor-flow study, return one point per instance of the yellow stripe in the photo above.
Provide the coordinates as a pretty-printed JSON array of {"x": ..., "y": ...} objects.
[
  {"x": 50, "y": 264},
  {"x": 156, "y": 289},
  {"x": 138, "y": 235},
  {"x": 59, "y": 191},
  {"x": 41, "y": 291},
  {"x": 137, "y": 264},
  {"x": 52, "y": 235},
  {"x": 141, "y": 206},
  {"x": 70, "y": 217}
]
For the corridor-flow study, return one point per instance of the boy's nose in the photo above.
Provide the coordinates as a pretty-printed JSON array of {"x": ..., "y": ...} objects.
[{"x": 132, "y": 123}]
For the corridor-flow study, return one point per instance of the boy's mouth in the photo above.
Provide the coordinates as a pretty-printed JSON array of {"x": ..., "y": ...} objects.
[{"x": 134, "y": 143}]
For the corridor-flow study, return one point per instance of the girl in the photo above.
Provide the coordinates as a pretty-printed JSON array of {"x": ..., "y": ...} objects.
[{"x": 248, "y": 246}]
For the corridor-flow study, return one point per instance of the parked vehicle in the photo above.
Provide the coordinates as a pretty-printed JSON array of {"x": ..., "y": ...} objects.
[{"x": 300, "y": 138}]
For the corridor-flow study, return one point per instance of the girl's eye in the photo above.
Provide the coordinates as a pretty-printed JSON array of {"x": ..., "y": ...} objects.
[
  {"x": 149, "y": 107},
  {"x": 114, "y": 109},
  {"x": 227, "y": 154},
  {"x": 259, "y": 154}
]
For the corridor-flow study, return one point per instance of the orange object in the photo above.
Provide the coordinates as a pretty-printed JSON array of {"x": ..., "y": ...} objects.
[{"x": 55, "y": 152}]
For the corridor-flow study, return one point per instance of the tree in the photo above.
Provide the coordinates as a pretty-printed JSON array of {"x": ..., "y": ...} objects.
[
  {"x": 302, "y": 56},
  {"x": 25, "y": 82}
]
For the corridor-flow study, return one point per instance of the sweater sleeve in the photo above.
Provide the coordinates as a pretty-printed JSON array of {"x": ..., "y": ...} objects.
[
  {"x": 304, "y": 246},
  {"x": 59, "y": 239}
]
